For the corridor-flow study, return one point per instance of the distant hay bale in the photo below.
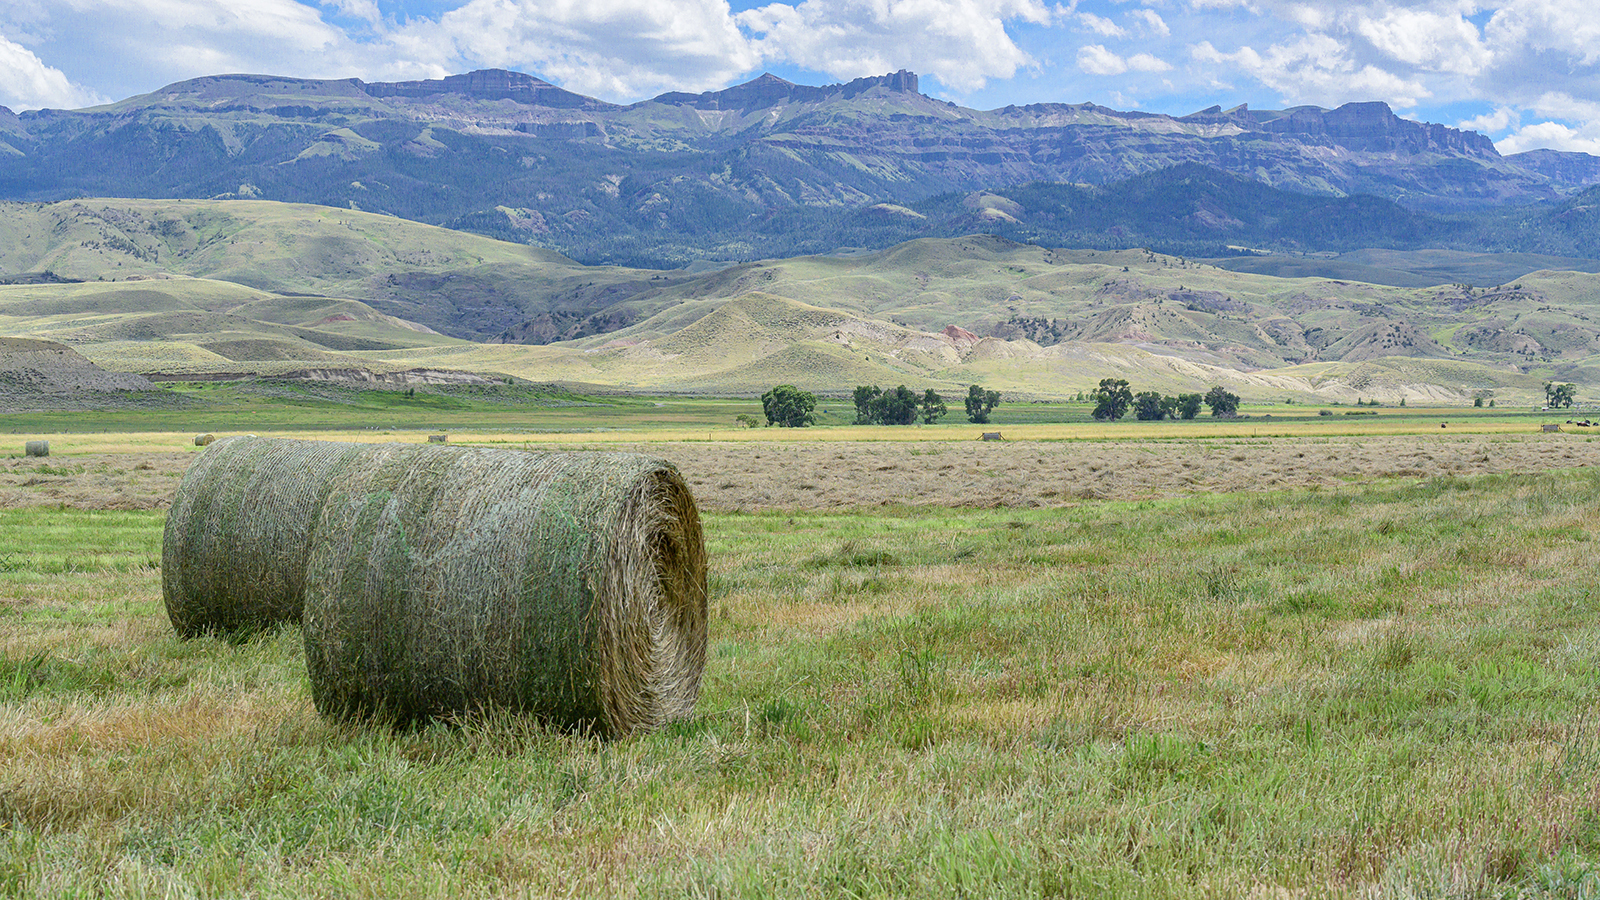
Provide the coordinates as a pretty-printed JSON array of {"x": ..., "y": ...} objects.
[
  {"x": 991, "y": 436},
  {"x": 36, "y": 448},
  {"x": 234, "y": 551},
  {"x": 204, "y": 440},
  {"x": 570, "y": 586},
  {"x": 438, "y": 438}
]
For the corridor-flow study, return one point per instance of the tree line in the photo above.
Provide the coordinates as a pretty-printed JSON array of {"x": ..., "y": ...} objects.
[
  {"x": 789, "y": 407},
  {"x": 1114, "y": 398}
]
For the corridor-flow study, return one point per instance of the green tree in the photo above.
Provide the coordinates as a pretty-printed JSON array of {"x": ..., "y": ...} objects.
[
  {"x": 864, "y": 396},
  {"x": 1224, "y": 404},
  {"x": 933, "y": 408},
  {"x": 1147, "y": 406},
  {"x": 1556, "y": 395},
  {"x": 1189, "y": 405},
  {"x": 1111, "y": 399},
  {"x": 896, "y": 407},
  {"x": 980, "y": 403},
  {"x": 789, "y": 407}
]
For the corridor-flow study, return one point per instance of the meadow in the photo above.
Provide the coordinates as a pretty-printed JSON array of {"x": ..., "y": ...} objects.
[{"x": 1187, "y": 661}]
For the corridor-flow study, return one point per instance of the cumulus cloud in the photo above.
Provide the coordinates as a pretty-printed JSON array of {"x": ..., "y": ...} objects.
[
  {"x": 1552, "y": 136},
  {"x": 1441, "y": 42},
  {"x": 27, "y": 83},
  {"x": 365, "y": 10},
  {"x": 611, "y": 48},
  {"x": 1150, "y": 22},
  {"x": 1100, "y": 25},
  {"x": 1315, "y": 69},
  {"x": 1490, "y": 122},
  {"x": 962, "y": 43},
  {"x": 1097, "y": 60}
]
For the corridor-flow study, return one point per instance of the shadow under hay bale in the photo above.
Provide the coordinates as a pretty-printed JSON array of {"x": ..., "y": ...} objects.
[
  {"x": 234, "y": 551},
  {"x": 36, "y": 448},
  {"x": 571, "y": 586}
]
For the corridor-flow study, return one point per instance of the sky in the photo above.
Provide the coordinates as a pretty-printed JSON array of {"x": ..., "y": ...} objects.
[{"x": 1524, "y": 72}]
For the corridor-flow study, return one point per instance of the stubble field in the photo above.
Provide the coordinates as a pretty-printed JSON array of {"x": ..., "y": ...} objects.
[{"x": 1331, "y": 666}]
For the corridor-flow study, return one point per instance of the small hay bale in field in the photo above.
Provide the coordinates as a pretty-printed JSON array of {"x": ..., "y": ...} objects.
[
  {"x": 570, "y": 586},
  {"x": 234, "y": 551},
  {"x": 36, "y": 448},
  {"x": 991, "y": 436},
  {"x": 204, "y": 440},
  {"x": 438, "y": 438}
]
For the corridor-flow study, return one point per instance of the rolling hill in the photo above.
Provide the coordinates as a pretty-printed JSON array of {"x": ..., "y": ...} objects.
[{"x": 209, "y": 289}]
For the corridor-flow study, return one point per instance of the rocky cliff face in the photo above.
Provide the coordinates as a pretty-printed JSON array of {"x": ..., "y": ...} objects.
[
  {"x": 489, "y": 84},
  {"x": 686, "y": 176},
  {"x": 770, "y": 90}
]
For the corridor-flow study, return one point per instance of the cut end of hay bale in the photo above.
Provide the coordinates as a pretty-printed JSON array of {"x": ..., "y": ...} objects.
[{"x": 36, "y": 448}]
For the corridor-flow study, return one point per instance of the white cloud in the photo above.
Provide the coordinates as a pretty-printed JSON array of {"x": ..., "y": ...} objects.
[
  {"x": 27, "y": 83},
  {"x": 1315, "y": 69},
  {"x": 962, "y": 43},
  {"x": 1499, "y": 120},
  {"x": 1552, "y": 136},
  {"x": 365, "y": 10},
  {"x": 1567, "y": 27},
  {"x": 1100, "y": 25},
  {"x": 1097, "y": 60},
  {"x": 1144, "y": 62},
  {"x": 1150, "y": 22},
  {"x": 612, "y": 48},
  {"x": 1425, "y": 39}
]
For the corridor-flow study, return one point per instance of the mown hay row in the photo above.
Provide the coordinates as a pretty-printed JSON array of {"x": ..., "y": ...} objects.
[
  {"x": 234, "y": 552},
  {"x": 571, "y": 586}
]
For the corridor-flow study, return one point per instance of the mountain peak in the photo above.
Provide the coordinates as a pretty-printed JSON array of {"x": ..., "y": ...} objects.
[
  {"x": 489, "y": 84},
  {"x": 768, "y": 89}
]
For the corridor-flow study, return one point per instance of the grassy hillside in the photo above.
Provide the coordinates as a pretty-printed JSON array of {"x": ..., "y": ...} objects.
[
  {"x": 451, "y": 281},
  {"x": 207, "y": 288}
]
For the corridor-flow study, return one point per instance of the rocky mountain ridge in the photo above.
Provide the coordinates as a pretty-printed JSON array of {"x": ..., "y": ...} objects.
[{"x": 736, "y": 174}]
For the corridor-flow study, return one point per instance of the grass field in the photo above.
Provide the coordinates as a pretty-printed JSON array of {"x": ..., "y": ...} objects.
[{"x": 1178, "y": 681}]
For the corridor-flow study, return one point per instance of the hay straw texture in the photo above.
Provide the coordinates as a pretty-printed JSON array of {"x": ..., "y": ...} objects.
[
  {"x": 571, "y": 586},
  {"x": 234, "y": 552},
  {"x": 36, "y": 448}
]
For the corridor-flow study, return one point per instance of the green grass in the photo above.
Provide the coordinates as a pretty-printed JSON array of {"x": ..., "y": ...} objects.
[{"x": 1378, "y": 690}]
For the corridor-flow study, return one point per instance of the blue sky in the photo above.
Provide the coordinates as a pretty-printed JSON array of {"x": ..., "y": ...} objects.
[{"x": 1524, "y": 72}]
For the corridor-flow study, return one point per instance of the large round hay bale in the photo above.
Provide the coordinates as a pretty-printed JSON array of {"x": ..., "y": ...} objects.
[
  {"x": 36, "y": 448},
  {"x": 204, "y": 440},
  {"x": 571, "y": 586},
  {"x": 233, "y": 555}
]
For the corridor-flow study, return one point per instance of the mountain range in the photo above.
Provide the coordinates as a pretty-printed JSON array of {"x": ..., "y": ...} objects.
[{"x": 769, "y": 168}]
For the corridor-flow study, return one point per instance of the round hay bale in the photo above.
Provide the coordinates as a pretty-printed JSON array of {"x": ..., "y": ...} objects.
[
  {"x": 36, "y": 448},
  {"x": 438, "y": 438},
  {"x": 204, "y": 440},
  {"x": 234, "y": 551},
  {"x": 570, "y": 586}
]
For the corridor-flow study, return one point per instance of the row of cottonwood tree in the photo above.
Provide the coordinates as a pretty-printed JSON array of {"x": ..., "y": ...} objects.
[
  {"x": 789, "y": 407},
  {"x": 1113, "y": 399}
]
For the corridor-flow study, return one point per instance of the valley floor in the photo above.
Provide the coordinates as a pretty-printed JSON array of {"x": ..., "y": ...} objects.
[{"x": 1358, "y": 665}]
